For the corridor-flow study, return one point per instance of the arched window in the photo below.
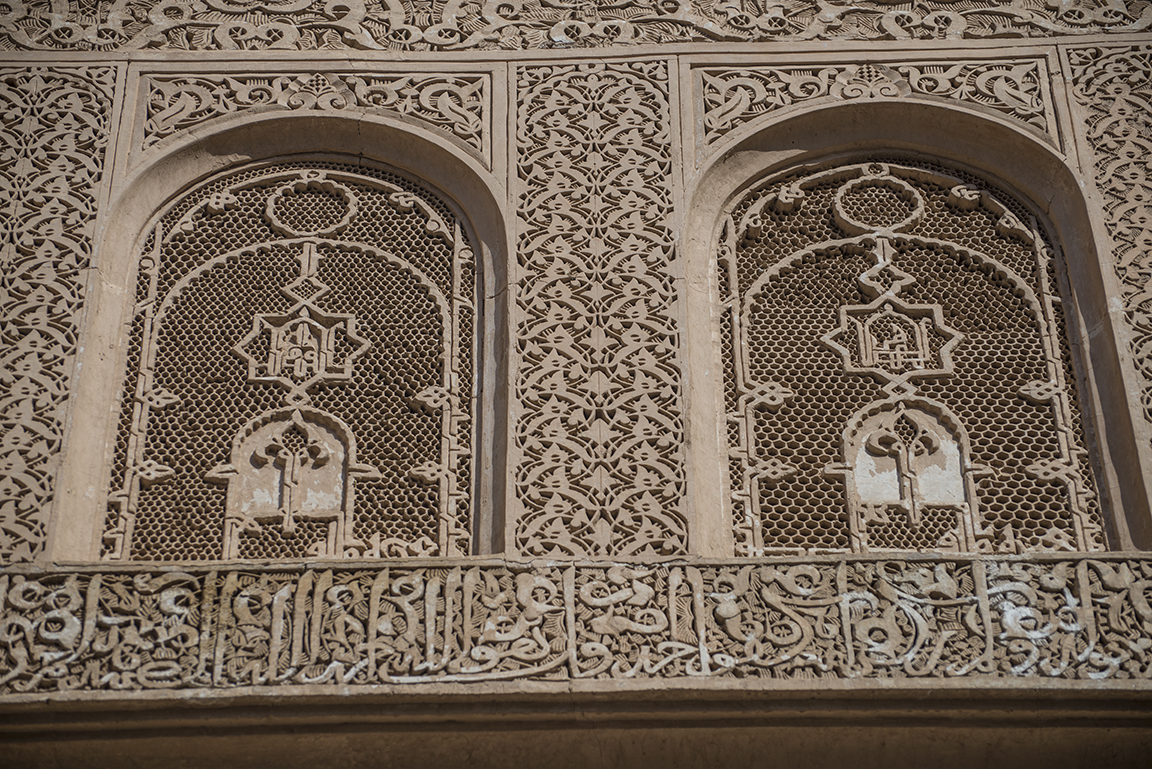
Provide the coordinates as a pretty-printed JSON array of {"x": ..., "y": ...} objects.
[
  {"x": 300, "y": 376},
  {"x": 898, "y": 372}
]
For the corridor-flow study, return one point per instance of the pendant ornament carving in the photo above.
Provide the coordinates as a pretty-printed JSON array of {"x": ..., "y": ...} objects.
[
  {"x": 896, "y": 429},
  {"x": 56, "y": 128}
]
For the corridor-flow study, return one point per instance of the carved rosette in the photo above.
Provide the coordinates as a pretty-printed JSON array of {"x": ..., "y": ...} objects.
[
  {"x": 600, "y": 431},
  {"x": 56, "y": 128}
]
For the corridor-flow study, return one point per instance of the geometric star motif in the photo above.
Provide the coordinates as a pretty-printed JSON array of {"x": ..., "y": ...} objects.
[
  {"x": 893, "y": 341},
  {"x": 301, "y": 349}
]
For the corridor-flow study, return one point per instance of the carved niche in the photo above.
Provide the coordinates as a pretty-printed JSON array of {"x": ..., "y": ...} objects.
[
  {"x": 898, "y": 373},
  {"x": 300, "y": 376}
]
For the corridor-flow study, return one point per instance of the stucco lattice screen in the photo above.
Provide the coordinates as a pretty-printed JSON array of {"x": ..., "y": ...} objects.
[
  {"x": 898, "y": 371},
  {"x": 300, "y": 375}
]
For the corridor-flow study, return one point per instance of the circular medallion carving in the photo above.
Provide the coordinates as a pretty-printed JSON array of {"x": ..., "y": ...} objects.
[
  {"x": 311, "y": 205},
  {"x": 877, "y": 203}
]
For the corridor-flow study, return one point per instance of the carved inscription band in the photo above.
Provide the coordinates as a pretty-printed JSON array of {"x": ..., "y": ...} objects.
[{"x": 1072, "y": 619}]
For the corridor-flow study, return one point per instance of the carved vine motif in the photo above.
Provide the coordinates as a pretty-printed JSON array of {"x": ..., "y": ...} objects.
[
  {"x": 600, "y": 431},
  {"x": 735, "y": 96},
  {"x": 464, "y": 24},
  {"x": 1115, "y": 85},
  {"x": 457, "y": 103},
  {"x": 196, "y": 629},
  {"x": 842, "y": 289},
  {"x": 55, "y": 124},
  {"x": 294, "y": 389}
]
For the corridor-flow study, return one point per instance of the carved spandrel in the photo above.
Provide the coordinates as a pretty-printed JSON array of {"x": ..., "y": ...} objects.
[
  {"x": 600, "y": 433},
  {"x": 1074, "y": 619},
  {"x": 458, "y": 104},
  {"x": 56, "y": 128},
  {"x": 1015, "y": 88},
  {"x": 231, "y": 25}
]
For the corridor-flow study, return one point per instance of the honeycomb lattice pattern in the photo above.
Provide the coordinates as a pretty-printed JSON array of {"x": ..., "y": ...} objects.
[
  {"x": 175, "y": 513},
  {"x": 968, "y": 262}
]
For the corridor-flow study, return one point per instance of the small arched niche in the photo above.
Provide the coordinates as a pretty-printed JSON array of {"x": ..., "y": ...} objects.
[
  {"x": 329, "y": 308},
  {"x": 849, "y": 262}
]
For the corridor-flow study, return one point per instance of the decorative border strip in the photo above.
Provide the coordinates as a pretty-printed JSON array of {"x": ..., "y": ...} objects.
[
  {"x": 1114, "y": 85},
  {"x": 55, "y": 123},
  {"x": 459, "y": 621},
  {"x": 231, "y": 25}
]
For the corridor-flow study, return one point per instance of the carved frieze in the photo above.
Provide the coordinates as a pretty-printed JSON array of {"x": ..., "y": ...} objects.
[
  {"x": 56, "y": 128},
  {"x": 457, "y": 104},
  {"x": 455, "y": 24},
  {"x": 1073, "y": 619},
  {"x": 1114, "y": 85},
  {"x": 1018, "y": 89},
  {"x": 600, "y": 431}
]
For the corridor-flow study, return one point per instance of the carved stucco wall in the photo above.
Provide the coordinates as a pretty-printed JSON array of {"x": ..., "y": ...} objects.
[{"x": 601, "y": 152}]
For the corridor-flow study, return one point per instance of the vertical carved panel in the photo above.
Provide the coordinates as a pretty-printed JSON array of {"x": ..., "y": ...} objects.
[
  {"x": 55, "y": 126},
  {"x": 1115, "y": 86},
  {"x": 601, "y": 469}
]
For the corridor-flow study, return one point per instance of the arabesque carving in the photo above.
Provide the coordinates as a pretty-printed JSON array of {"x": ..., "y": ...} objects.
[
  {"x": 56, "y": 128},
  {"x": 458, "y": 104},
  {"x": 1115, "y": 87},
  {"x": 1083, "y": 619},
  {"x": 1017, "y": 88},
  {"x": 600, "y": 431},
  {"x": 324, "y": 407},
  {"x": 922, "y": 314},
  {"x": 127, "y": 25}
]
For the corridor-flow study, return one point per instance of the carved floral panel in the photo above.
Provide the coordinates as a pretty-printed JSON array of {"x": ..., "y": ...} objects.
[
  {"x": 56, "y": 129},
  {"x": 1114, "y": 85},
  {"x": 1074, "y": 619},
  {"x": 456, "y": 24},
  {"x": 600, "y": 431},
  {"x": 459, "y": 105},
  {"x": 1017, "y": 88}
]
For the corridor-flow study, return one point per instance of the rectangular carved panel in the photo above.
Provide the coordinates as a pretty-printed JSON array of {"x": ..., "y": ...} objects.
[
  {"x": 600, "y": 432},
  {"x": 1115, "y": 86},
  {"x": 55, "y": 124},
  {"x": 455, "y": 621}
]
